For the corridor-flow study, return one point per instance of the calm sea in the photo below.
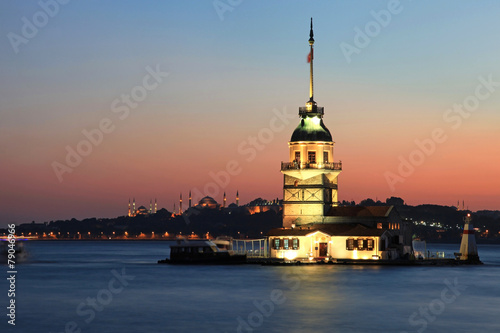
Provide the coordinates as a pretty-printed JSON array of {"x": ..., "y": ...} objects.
[{"x": 118, "y": 287}]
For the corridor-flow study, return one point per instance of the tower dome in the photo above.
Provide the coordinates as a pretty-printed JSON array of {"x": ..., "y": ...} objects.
[{"x": 311, "y": 129}]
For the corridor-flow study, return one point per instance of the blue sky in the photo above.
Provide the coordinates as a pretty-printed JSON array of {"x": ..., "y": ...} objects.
[{"x": 225, "y": 78}]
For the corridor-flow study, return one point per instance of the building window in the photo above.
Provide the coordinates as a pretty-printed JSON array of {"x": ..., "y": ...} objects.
[
  {"x": 359, "y": 244},
  {"x": 285, "y": 243},
  {"x": 276, "y": 244},
  {"x": 325, "y": 157},
  {"x": 311, "y": 156},
  {"x": 297, "y": 156},
  {"x": 350, "y": 244},
  {"x": 295, "y": 243}
]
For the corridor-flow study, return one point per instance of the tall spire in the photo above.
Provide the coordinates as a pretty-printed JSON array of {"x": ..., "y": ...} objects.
[
  {"x": 180, "y": 204},
  {"x": 311, "y": 57},
  {"x": 189, "y": 199}
]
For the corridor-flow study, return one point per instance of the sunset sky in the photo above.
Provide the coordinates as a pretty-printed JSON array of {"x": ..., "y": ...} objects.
[{"x": 230, "y": 77}]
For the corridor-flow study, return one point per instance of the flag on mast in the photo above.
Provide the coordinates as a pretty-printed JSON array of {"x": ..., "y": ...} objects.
[{"x": 310, "y": 56}]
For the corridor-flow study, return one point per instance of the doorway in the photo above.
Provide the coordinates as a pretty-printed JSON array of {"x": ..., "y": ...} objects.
[{"x": 323, "y": 249}]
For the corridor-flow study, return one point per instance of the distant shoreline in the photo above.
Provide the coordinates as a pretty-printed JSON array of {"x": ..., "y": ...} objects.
[{"x": 480, "y": 242}]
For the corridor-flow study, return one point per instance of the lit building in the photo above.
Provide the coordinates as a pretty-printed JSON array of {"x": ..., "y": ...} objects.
[
  {"x": 314, "y": 226},
  {"x": 310, "y": 176},
  {"x": 208, "y": 202},
  {"x": 132, "y": 211}
]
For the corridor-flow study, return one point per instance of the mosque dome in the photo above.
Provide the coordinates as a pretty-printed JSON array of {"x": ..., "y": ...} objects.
[
  {"x": 311, "y": 128},
  {"x": 142, "y": 210},
  {"x": 208, "y": 202}
]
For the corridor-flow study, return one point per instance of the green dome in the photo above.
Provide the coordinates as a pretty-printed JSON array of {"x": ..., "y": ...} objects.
[{"x": 311, "y": 129}]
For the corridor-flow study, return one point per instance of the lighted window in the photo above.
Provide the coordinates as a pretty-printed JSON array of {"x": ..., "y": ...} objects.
[
  {"x": 311, "y": 155},
  {"x": 276, "y": 243},
  {"x": 295, "y": 243},
  {"x": 325, "y": 157},
  {"x": 360, "y": 244},
  {"x": 369, "y": 244},
  {"x": 350, "y": 244},
  {"x": 297, "y": 156},
  {"x": 285, "y": 244}
]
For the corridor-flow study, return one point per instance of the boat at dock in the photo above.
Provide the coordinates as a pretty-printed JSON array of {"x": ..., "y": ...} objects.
[{"x": 203, "y": 252}]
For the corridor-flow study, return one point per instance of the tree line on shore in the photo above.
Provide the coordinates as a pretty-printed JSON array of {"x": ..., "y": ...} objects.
[{"x": 433, "y": 223}]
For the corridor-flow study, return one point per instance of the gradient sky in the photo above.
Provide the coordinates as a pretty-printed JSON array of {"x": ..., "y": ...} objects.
[{"x": 225, "y": 78}]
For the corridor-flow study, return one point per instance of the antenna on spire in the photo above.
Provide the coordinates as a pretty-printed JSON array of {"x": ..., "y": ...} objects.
[
  {"x": 310, "y": 58},
  {"x": 311, "y": 34}
]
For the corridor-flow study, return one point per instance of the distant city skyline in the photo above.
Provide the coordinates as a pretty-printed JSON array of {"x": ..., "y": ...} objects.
[{"x": 102, "y": 102}]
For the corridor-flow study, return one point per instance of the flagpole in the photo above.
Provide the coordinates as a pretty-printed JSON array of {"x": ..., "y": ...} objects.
[{"x": 311, "y": 43}]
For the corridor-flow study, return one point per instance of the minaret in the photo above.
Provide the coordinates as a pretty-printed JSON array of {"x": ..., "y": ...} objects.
[
  {"x": 237, "y": 198},
  {"x": 224, "y": 201},
  {"x": 173, "y": 212},
  {"x": 133, "y": 210},
  {"x": 156, "y": 206},
  {"x": 189, "y": 199},
  {"x": 129, "y": 207},
  {"x": 180, "y": 204},
  {"x": 310, "y": 176},
  {"x": 150, "y": 206},
  {"x": 468, "y": 248}
]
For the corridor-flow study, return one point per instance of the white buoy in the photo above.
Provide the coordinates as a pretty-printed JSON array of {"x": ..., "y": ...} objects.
[{"x": 468, "y": 247}]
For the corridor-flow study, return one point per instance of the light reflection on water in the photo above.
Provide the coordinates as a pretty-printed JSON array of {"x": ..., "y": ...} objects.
[{"x": 60, "y": 275}]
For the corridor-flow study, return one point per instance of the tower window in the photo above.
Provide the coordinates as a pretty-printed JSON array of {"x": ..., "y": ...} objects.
[
  {"x": 325, "y": 157},
  {"x": 297, "y": 156},
  {"x": 311, "y": 156}
]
